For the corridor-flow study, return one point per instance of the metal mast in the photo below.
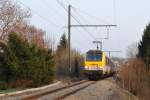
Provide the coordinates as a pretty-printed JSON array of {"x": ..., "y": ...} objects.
[{"x": 69, "y": 38}]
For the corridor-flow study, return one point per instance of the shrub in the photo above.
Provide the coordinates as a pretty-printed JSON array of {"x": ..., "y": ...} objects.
[
  {"x": 135, "y": 77},
  {"x": 62, "y": 66},
  {"x": 24, "y": 65}
]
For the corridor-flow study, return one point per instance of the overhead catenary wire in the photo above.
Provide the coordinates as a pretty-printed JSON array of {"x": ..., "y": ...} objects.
[
  {"x": 42, "y": 17},
  {"x": 71, "y": 14},
  {"x": 115, "y": 11},
  {"x": 47, "y": 4},
  {"x": 84, "y": 21},
  {"x": 80, "y": 15},
  {"x": 49, "y": 7},
  {"x": 61, "y": 4},
  {"x": 107, "y": 26},
  {"x": 82, "y": 35},
  {"x": 78, "y": 23},
  {"x": 90, "y": 15},
  {"x": 93, "y": 16},
  {"x": 67, "y": 1}
]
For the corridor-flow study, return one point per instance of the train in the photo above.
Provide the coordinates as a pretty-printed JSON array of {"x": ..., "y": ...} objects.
[{"x": 97, "y": 64}]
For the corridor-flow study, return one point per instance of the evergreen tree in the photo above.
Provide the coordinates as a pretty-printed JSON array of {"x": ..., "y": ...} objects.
[
  {"x": 22, "y": 62},
  {"x": 62, "y": 68},
  {"x": 8, "y": 66},
  {"x": 63, "y": 44},
  {"x": 22, "y": 52},
  {"x": 144, "y": 46},
  {"x": 43, "y": 63}
]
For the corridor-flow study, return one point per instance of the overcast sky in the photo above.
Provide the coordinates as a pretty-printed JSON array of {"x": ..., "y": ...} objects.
[{"x": 131, "y": 17}]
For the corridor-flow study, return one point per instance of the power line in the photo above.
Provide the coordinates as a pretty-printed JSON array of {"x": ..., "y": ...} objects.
[
  {"x": 82, "y": 35},
  {"x": 93, "y": 25},
  {"x": 105, "y": 25},
  {"x": 61, "y": 4},
  {"x": 48, "y": 5},
  {"x": 115, "y": 11},
  {"x": 83, "y": 19},
  {"x": 67, "y": 2},
  {"x": 84, "y": 27},
  {"x": 79, "y": 15},
  {"x": 42, "y": 17},
  {"x": 91, "y": 16}
]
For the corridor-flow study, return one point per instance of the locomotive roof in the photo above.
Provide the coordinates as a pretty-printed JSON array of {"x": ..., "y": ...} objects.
[{"x": 94, "y": 51}]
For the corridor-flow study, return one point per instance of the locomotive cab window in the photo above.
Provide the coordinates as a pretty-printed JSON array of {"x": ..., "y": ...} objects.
[{"x": 93, "y": 57}]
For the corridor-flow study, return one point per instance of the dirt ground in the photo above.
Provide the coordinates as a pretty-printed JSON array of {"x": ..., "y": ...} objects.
[{"x": 105, "y": 89}]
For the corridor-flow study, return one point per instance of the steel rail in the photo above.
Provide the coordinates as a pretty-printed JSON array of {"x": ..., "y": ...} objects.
[{"x": 33, "y": 97}]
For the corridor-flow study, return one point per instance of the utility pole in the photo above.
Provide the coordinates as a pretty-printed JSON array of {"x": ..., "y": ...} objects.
[{"x": 69, "y": 37}]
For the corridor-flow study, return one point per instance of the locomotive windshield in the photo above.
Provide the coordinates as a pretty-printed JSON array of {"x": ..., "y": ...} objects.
[{"x": 93, "y": 57}]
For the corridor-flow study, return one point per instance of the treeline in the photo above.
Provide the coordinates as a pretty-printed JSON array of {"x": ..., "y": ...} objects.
[
  {"x": 23, "y": 64},
  {"x": 135, "y": 74},
  {"x": 26, "y": 58}
]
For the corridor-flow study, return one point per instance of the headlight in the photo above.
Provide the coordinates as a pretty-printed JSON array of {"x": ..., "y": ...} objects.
[{"x": 86, "y": 67}]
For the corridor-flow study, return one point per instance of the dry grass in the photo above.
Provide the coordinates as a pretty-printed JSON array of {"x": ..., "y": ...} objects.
[
  {"x": 62, "y": 68},
  {"x": 135, "y": 77}
]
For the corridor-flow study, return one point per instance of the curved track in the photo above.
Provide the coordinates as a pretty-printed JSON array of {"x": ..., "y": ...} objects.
[{"x": 61, "y": 92}]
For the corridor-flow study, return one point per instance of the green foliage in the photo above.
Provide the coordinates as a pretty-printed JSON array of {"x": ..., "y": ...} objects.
[
  {"x": 43, "y": 66},
  {"x": 144, "y": 46},
  {"x": 8, "y": 66},
  {"x": 21, "y": 62},
  {"x": 63, "y": 43},
  {"x": 8, "y": 90}
]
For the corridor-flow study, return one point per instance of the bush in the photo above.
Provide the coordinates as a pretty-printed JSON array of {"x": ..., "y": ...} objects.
[
  {"x": 135, "y": 77},
  {"x": 62, "y": 67},
  {"x": 23, "y": 65},
  {"x": 3, "y": 85},
  {"x": 61, "y": 58}
]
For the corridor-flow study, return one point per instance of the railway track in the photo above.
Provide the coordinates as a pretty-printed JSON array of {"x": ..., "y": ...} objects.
[{"x": 62, "y": 92}]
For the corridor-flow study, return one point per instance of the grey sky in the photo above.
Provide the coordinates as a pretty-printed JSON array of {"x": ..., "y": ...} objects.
[{"x": 131, "y": 16}]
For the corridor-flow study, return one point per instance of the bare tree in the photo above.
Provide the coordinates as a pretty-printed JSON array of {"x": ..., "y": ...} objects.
[
  {"x": 30, "y": 33},
  {"x": 36, "y": 36},
  {"x": 14, "y": 19},
  {"x": 10, "y": 14},
  {"x": 132, "y": 50}
]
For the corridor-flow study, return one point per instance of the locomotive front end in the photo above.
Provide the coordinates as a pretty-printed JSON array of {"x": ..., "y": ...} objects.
[{"x": 94, "y": 63}]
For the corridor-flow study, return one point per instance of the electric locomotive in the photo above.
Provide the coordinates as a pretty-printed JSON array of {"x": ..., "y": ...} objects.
[{"x": 97, "y": 64}]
